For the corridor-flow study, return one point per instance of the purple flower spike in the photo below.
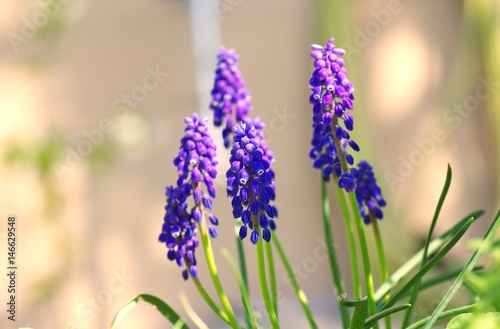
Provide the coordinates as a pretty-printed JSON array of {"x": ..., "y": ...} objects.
[
  {"x": 332, "y": 99},
  {"x": 368, "y": 193},
  {"x": 231, "y": 101},
  {"x": 196, "y": 167},
  {"x": 254, "y": 192},
  {"x": 178, "y": 230}
]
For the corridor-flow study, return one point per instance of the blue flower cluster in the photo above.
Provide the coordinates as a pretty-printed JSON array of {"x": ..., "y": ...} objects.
[
  {"x": 230, "y": 99},
  {"x": 250, "y": 183},
  {"x": 368, "y": 193},
  {"x": 332, "y": 99},
  {"x": 196, "y": 164},
  {"x": 179, "y": 232}
]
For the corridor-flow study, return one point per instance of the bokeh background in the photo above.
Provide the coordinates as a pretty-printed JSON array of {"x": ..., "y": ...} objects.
[{"x": 92, "y": 98}]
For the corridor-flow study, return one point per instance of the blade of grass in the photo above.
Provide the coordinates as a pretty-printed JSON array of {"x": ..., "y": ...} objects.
[
  {"x": 243, "y": 288},
  {"x": 212, "y": 268},
  {"x": 384, "y": 272},
  {"x": 414, "y": 295},
  {"x": 372, "y": 319},
  {"x": 272, "y": 277},
  {"x": 431, "y": 282},
  {"x": 261, "y": 268},
  {"x": 467, "y": 269},
  {"x": 414, "y": 261},
  {"x": 243, "y": 265},
  {"x": 191, "y": 312},
  {"x": 400, "y": 293},
  {"x": 360, "y": 312},
  {"x": 301, "y": 296},
  {"x": 338, "y": 282},
  {"x": 210, "y": 302},
  {"x": 157, "y": 303},
  {"x": 349, "y": 230},
  {"x": 365, "y": 256}
]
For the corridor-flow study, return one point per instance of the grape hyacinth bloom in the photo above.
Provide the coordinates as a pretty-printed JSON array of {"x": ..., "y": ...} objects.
[
  {"x": 179, "y": 232},
  {"x": 250, "y": 183},
  {"x": 196, "y": 164},
  {"x": 230, "y": 99},
  {"x": 332, "y": 99},
  {"x": 368, "y": 193}
]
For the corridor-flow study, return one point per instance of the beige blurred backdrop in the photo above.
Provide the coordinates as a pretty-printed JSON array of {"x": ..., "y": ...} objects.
[{"x": 92, "y": 98}]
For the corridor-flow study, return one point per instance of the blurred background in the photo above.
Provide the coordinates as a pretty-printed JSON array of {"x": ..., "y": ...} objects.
[{"x": 92, "y": 98}]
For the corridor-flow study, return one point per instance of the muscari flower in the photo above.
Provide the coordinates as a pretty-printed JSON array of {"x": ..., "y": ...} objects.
[
  {"x": 196, "y": 167},
  {"x": 250, "y": 183},
  {"x": 332, "y": 99},
  {"x": 368, "y": 193},
  {"x": 179, "y": 232},
  {"x": 230, "y": 99}
]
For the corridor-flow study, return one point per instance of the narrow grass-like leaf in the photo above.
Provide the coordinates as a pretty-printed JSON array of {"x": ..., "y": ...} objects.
[
  {"x": 210, "y": 302},
  {"x": 338, "y": 282},
  {"x": 261, "y": 268},
  {"x": 212, "y": 269},
  {"x": 384, "y": 272},
  {"x": 414, "y": 295},
  {"x": 360, "y": 312},
  {"x": 301, "y": 296},
  {"x": 414, "y": 261},
  {"x": 365, "y": 256},
  {"x": 440, "y": 278},
  {"x": 191, "y": 312},
  {"x": 372, "y": 319},
  {"x": 357, "y": 289},
  {"x": 401, "y": 292},
  {"x": 445, "y": 314},
  {"x": 243, "y": 288},
  {"x": 458, "y": 282},
  {"x": 243, "y": 264},
  {"x": 272, "y": 277},
  {"x": 157, "y": 303}
]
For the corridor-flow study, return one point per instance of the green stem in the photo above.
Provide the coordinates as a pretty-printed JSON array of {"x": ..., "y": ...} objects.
[
  {"x": 272, "y": 277},
  {"x": 209, "y": 255},
  {"x": 364, "y": 255},
  {"x": 356, "y": 282},
  {"x": 243, "y": 267},
  {"x": 210, "y": 302},
  {"x": 332, "y": 254},
  {"x": 384, "y": 273},
  {"x": 243, "y": 288},
  {"x": 445, "y": 314},
  {"x": 263, "y": 281},
  {"x": 301, "y": 296}
]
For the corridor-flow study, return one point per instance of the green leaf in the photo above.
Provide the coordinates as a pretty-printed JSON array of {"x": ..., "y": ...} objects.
[
  {"x": 471, "y": 321},
  {"x": 488, "y": 237},
  {"x": 243, "y": 288},
  {"x": 360, "y": 312},
  {"x": 445, "y": 314},
  {"x": 460, "y": 321},
  {"x": 414, "y": 294},
  {"x": 428, "y": 266},
  {"x": 380, "y": 315},
  {"x": 157, "y": 303},
  {"x": 301, "y": 296},
  {"x": 413, "y": 262}
]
